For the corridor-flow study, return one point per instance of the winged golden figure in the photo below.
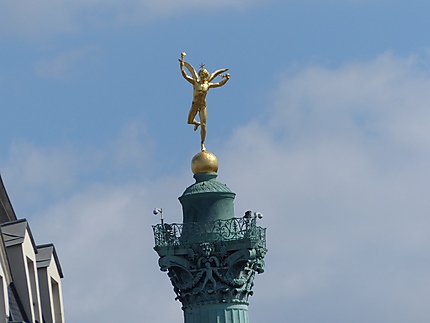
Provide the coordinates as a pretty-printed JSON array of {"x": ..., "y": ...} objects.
[{"x": 201, "y": 82}]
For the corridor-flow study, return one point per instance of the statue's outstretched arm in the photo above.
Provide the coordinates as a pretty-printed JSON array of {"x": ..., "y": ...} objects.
[
  {"x": 216, "y": 73},
  {"x": 184, "y": 74},
  {"x": 225, "y": 77},
  {"x": 190, "y": 68}
]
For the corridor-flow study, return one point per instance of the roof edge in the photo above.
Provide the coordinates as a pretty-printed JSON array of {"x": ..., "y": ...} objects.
[
  {"x": 56, "y": 259},
  {"x": 5, "y": 202}
]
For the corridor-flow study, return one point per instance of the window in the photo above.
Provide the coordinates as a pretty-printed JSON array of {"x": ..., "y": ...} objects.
[{"x": 56, "y": 301}]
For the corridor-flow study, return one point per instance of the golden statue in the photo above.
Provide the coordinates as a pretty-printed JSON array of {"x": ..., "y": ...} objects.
[{"x": 201, "y": 82}]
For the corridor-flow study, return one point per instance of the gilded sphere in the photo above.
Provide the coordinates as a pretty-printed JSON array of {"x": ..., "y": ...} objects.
[{"x": 204, "y": 162}]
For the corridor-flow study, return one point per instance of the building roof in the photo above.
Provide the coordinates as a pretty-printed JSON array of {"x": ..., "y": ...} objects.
[
  {"x": 6, "y": 210},
  {"x": 17, "y": 312},
  {"x": 14, "y": 233},
  {"x": 44, "y": 257}
]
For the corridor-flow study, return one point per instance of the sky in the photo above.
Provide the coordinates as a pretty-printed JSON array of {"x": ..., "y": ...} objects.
[{"x": 323, "y": 128}]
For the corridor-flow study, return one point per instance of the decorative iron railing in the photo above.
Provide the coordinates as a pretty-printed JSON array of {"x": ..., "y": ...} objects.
[{"x": 176, "y": 234}]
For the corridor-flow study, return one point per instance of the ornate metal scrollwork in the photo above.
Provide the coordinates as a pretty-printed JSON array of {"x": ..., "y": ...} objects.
[
  {"x": 222, "y": 269},
  {"x": 176, "y": 234}
]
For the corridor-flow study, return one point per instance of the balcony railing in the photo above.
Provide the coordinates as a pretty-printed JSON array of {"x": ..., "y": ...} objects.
[{"x": 176, "y": 234}]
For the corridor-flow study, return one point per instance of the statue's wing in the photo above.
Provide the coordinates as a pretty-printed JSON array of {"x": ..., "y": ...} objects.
[
  {"x": 216, "y": 73},
  {"x": 192, "y": 71}
]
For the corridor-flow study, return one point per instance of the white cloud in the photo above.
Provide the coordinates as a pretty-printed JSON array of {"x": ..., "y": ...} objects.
[
  {"x": 46, "y": 18},
  {"x": 104, "y": 239},
  {"x": 37, "y": 19},
  {"x": 63, "y": 63},
  {"x": 97, "y": 223},
  {"x": 340, "y": 170},
  {"x": 34, "y": 172},
  {"x": 37, "y": 175},
  {"x": 128, "y": 147},
  {"x": 343, "y": 190},
  {"x": 384, "y": 98}
]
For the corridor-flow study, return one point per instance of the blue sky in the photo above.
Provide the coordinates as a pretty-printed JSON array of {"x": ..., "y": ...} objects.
[{"x": 323, "y": 127}]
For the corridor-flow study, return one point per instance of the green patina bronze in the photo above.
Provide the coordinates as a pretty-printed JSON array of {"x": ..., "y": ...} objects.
[
  {"x": 207, "y": 200},
  {"x": 212, "y": 257}
]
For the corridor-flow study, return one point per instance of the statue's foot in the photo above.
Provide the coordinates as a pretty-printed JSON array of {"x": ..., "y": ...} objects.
[
  {"x": 203, "y": 147},
  {"x": 196, "y": 125}
]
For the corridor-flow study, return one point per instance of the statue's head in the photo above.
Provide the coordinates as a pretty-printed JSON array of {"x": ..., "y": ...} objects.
[{"x": 203, "y": 74}]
